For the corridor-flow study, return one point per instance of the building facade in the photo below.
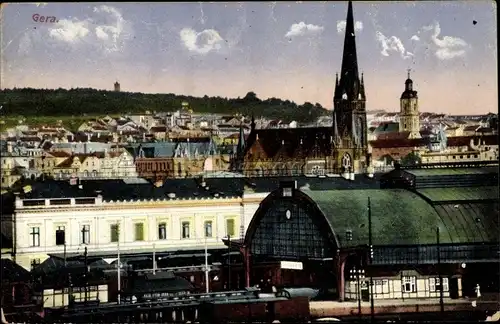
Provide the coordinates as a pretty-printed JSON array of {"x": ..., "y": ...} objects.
[
  {"x": 316, "y": 235},
  {"x": 142, "y": 217}
]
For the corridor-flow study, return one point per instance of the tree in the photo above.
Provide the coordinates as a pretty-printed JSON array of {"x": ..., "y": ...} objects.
[
  {"x": 77, "y": 102},
  {"x": 411, "y": 159},
  {"x": 251, "y": 97}
]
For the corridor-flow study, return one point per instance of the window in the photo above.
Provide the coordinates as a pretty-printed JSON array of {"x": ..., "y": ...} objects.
[
  {"x": 434, "y": 284},
  {"x": 85, "y": 234},
  {"x": 114, "y": 229},
  {"x": 409, "y": 284},
  {"x": 287, "y": 192},
  {"x": 35, "y": 263},
  {"x": 60, "y": 235},
  {"x": 348, "y": 235},
  {"x": 35, "y": 236},
  {"x": 162, "y": 231},
  {"x": 208, "y": 229},
  {"x": 230, "y": 227},
  {"x": 185, "y": 230},
  {"x": 139, "y": 231}
]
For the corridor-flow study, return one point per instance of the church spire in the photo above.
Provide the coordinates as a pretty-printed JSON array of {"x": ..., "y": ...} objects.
[
  {"x": 336, "y": 136},
  {"x": 240, "y": 149},
  {"x": 349, "y": 76}
]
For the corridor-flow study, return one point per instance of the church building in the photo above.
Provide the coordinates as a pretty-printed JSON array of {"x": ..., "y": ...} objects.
[{"x": 319, "y": 151}]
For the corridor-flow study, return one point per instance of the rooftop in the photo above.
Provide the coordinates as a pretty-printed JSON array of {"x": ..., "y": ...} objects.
[
  {"x": 451, "y": 171},
  {"x": 402, "y": 217},
  {"x": 439, "y": 195}
]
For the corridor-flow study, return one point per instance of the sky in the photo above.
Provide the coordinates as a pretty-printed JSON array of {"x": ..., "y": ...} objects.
[{"x": 287, "y": 50}]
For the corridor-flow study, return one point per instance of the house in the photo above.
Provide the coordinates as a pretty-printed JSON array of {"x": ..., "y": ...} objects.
[
  {"x": 147, "y": 121},
  {"x": 470, "y": 130},
  {"x": 86, "y": 164},
  {"x": 50, "y": 160},
  {"x": 159, "y": 132}
]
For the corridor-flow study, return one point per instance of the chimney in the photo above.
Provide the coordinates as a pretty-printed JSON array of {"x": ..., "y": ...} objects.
[{"x": 88, "y": 137}]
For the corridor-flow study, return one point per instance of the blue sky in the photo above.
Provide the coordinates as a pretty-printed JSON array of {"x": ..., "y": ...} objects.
[{"x": 287, "y": 50}]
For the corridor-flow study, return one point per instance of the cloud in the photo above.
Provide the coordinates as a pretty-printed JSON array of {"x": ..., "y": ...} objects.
[
  {"x": 448, "y": 47},
  {"x": 358, "y": 26},
  {"x": 106, "y": 29},
  {"x": 444, "y": 47},
  {"x": 69, "y": 31},
  {"x": 303, "y": 29},
  {"x": 392, "y": 44},
  {"x": 204, "y": 42}
]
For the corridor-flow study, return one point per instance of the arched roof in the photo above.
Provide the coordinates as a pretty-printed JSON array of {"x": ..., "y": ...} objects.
[
  {"x": 305, "y": 201},
  {"x": 399, "y": 217},
  {"x": 471, "y": 213}
]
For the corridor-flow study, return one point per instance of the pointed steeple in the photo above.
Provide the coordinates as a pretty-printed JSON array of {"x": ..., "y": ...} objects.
[
  {"x": 212, "y": 149},
  {"x": 336, "y": 135},
  {"x": 240, "y": 150},
  {"x": 361, "y": 94},
  {"x": 349, "y": 76}
]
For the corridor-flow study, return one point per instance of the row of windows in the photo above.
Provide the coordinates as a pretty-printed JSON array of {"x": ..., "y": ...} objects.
[
  {"x": 138, "y": 232},
  {"x": 153, "y": 166},
  {"x": 428, "y": 254},
  {"x": 408, "y": 285}
]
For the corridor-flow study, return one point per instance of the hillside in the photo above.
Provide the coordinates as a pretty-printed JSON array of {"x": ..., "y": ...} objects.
[{"x": 28, "y": 102}]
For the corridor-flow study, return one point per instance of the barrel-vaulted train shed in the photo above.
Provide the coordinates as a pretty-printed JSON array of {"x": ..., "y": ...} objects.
[{"x": 314, "y": 223}]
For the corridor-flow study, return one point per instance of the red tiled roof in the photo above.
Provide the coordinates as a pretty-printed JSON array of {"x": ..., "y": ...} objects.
[
  {"x": 399, "y": 142},
  {"x": 393, "y": 135},
  {"x": 454, "y": 141}
]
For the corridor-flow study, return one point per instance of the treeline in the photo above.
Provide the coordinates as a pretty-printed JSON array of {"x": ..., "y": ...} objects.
[{"x": 76, "y": 102}]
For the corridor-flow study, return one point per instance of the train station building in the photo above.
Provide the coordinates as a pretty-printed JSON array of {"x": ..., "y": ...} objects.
[{"x": 311, "y": 234}]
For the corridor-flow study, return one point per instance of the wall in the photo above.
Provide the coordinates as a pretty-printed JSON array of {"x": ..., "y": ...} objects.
[
  {"x": 391, "y": 287},
  {"x": 59, "y": 298},
  {"x": 127, "y": 214}
]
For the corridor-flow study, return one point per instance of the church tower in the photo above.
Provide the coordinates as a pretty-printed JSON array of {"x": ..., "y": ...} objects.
[
  {"x": 349, "y": 101},
  {"x": 409, "y": 117}
]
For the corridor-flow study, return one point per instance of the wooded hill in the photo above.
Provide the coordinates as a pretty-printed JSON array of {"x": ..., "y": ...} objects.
[{"x": 76, "y": 102}]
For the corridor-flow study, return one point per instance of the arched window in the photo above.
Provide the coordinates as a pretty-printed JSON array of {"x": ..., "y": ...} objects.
[
  {"x": 346, "y": 162},
  {"x": 85, "y": 173}
]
